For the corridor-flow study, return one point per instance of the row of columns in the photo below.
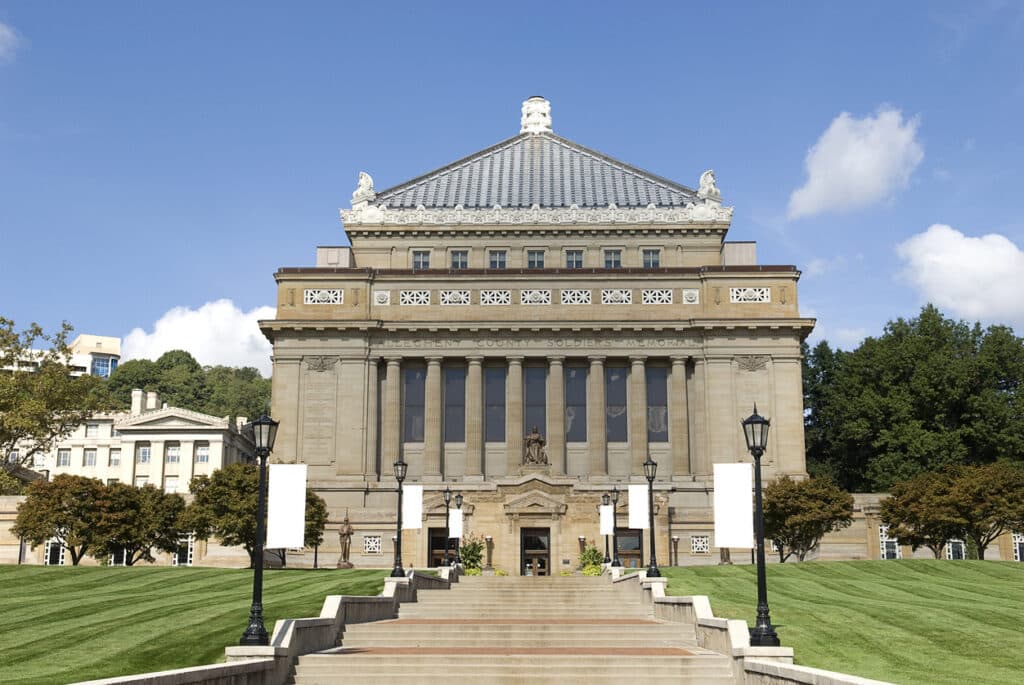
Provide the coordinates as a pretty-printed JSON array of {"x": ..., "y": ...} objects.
[{"x": 515, "y": 430}]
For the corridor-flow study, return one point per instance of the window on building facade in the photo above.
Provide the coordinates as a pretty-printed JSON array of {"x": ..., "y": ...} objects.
[
  {"x": 172, "y": 453},
  {"x": 202, "y": 453},
  {"x": 38, "y": 459},
  {"x": 575, "y": 403},
  {"x": 574, "y": 259},
  {"x": 460, "y": 259},
  {"x": 494, "y": 404},
  {"x": 455, "y": 404},
  {"x": 63, "y": 457},
  {"x": 115, "y": 457},
  {"x": 142, "y": 453},
  {"x": 118, "y": 558},
  {"x": 535, "y": 398},
  {"x": 615, "y": 403},
  {"x": 53, "y": 553},
  {"x": 103, "y": 366},
  {"x": 372, "y": 544},
  {"x": 170, "y": 484},
  {"x": 657, "y": 403},
  {"x": 92, "y": 430},
  {"x": 13, "y": 457},
  {"x": 413, "y": 395},
  {"x": 535, "y": 259},
  {"x": 420, "y": 259},
  {"x": 890, "y": 547},
  {"x": 652, "y": 259},
  {"x": 700, "y": 544},
  {"x": 89, "y": 457},
  {"x": 111, "y": 481},
  {"x": 498, "y": 259},
  {"x": 955, "y": 549},
  {"x": 613, "y": 259},
  {"x": 185, "y": 553},
  {"x": 140, "y": 481},
  {"x": 1018, "y": 546}
]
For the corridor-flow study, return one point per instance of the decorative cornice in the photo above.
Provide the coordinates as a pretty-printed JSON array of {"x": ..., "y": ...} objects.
[{"x": 708, "y": 212}]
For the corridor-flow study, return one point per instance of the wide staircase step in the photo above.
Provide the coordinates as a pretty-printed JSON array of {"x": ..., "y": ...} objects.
[{"x": 519, "y": 630}]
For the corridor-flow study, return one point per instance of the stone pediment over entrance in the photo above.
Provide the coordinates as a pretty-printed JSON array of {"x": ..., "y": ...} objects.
[
  {"x": 535, "y": 503},
  {"x": 173, "y": 417}
]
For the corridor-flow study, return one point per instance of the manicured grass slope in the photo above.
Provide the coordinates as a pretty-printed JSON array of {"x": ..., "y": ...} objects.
[
  {"x": 60, "y": 625},
  {"x": 913, "y": 621}
]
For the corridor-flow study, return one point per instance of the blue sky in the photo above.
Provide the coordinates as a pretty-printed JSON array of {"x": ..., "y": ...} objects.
[{"x": 156, "y": 158}]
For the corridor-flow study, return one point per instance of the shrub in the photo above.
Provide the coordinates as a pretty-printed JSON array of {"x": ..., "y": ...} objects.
[
  {"x": 472, "y": 572},
  {"x": 472, "y": 551},
  {"x": 592, "y": 570},
  {"x": 500, "y": 572},
  {"x": 591, "y": 556}
]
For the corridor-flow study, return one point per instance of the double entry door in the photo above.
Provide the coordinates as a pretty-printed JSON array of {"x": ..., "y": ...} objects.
[{"x": 535, "y": 551}]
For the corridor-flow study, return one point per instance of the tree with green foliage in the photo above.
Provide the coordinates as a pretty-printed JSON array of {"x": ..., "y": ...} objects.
[
  {"x": 137, "y": 520},
  {"x": 142, "y": 374},
  {"x": 930, "y": 392},
  {"x": 988, "y": 500},
  {"x": 920, "y": 512},
  {"x": 235, "y": 392},
  {"x": 181, "y": 380},
  {"x": 225, "y": 507},
  {"x": 471, "y": 551},
  {"x": 42, "y": 405},
  {"x": 10, "y": 485},
  {"x": 798, "y": 513},
  {"x": 64, "y": 509}
]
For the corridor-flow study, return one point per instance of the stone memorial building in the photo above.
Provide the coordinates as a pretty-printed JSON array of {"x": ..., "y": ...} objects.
[{"x": 525, "y": 326}]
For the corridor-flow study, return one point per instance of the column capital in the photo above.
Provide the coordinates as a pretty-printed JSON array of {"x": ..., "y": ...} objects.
[
  {"x": 556, "y": 360},
  {"x": 515, "y": 360},
  {"x": 635, "y": 359},
  {"x": 597, "y": 359},
  {"x": 678, "y": 359},
  {"x": 435, "y": 361},
  {"x": 475, "y": 360},
  {"x": 393, "y": 361}
]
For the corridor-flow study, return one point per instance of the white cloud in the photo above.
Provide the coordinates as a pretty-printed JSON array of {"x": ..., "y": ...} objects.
[
  {"x": 857, "y": 163},
  {"x": 8, "y": 42},
  {"x": 974, "y": 278},
  {"x": 216, "y": 333},
  {"x": 819, "y": 266}
]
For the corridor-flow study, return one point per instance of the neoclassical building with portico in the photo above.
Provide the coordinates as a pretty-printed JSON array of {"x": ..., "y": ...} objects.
[{"x": 536, "y": 287}]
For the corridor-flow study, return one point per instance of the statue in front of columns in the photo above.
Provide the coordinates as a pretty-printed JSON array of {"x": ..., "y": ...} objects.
[
  {"x": 345, "y": 533},
  {"x": 534, "y": 449}
]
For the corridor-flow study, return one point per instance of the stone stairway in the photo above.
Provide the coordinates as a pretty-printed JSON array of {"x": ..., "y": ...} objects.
[{"x": 519, "y": 630}]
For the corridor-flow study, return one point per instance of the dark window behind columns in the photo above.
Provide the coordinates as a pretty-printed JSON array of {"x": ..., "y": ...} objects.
[
  {"x": 575, "y": 403},
  {"x": 414, "y": 387},
  {"x": 494, "y": 404},
  {"x": 455, "y": 404},
  {"x": 657, "y": 403},
  {"x": 615, "y": 402},
  {"x": 535, "y": 398}
]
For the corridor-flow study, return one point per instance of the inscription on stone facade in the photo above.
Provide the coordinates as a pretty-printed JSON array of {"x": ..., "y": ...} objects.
[
  {"x": 531, "y": 343},
  {"x": 318, "y": 415}
]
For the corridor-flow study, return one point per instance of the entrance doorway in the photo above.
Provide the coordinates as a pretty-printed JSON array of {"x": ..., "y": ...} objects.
[
  {"x": 630, "y": 547},
  {"x": 535, "y": 552},
  {"x": 436, "y": 552}
]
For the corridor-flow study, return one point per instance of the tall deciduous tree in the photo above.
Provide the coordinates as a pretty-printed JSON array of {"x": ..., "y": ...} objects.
[
  {"x": 988, "y": 501},
  {"x": 225, "y": 508},
  {"x": 137, "y": 520},
  {"x": 920, "y": 512},
  {"x": 928, "y": 393},
  {"x": 40, "y": 406},
  {"x": 797, "y": 514},
  {"x": 65, "y": 509}
]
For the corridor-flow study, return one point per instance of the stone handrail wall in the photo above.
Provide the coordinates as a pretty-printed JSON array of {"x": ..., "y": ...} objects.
[{"x": 293, "y": 637}]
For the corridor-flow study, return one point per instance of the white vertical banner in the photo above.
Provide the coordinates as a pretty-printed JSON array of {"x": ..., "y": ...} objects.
[
  {"x": 412, "y": 507},
  {"x": 734, "y": 507},
  {"x": 638, "y": 513},
  {"x": 607, "y": 524},
  {"x": 455, "y": 523},
  {"x": 286, "y": 506}
]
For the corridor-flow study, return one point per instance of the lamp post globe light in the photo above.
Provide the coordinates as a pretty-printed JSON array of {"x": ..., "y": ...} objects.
[
  {"x": 650, "y": 471},
  {"x": 615, "y": 526},
  {"x": 401, "y": 468},
  {"x": 447, "y": 521},
  {"x": 458, "y": 540},
  {"x": 755, "y": 430},
  {"x": 605, "y": 498},
  {"x": 264, "y": 433}
]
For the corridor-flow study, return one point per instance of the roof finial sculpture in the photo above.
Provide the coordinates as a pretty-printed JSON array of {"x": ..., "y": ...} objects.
[
  {"x": 708, "y": 190},
  {"x": 536, "y": 116},
  {"x": 364, "y": 190}
]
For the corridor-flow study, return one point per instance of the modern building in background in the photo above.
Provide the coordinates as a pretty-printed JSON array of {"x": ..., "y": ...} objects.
[
  {"x": 534, "y": 289},
  {"x": 94, "y": 355}
]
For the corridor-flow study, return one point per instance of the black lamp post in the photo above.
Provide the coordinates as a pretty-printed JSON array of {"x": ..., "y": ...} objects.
[
  {"x": 651, "y": 470},
  {"x": 755, "y": 430},
  {"x": 264, "y": 432},
  {"x": 604, "y": 502},
  {"x": 615, "y": 527},
  {"x": 447, "y": 522},
  {"x": 458, "y": 540},
  {"x": 401, "y": 468}
]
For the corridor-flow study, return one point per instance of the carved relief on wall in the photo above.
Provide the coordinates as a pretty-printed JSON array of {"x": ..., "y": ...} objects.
[
  {"x": 533, "y": 448},
  {"x": 752, "y": 362},
  {"x": 320, "y": 364}
]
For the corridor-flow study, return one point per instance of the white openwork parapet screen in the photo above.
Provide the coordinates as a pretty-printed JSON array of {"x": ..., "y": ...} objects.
[
  {"x": 657, "y": 296},
  {"x": 495, "y": 297},
  {"x": 617, "y": 296},
  {"x": 576, "y": 297},
  {"x": 414, "y": 297},
  {"x": 323, "y": 296},
  {"x": 740, "y": 295},
  {"x": 372, "y": 544},
  {"x": 890, "y": 547},
  {"x": 700, "y": 544},
  {"x": 534, "y": 297},
  {"x": 382, "y": 297},
  {"x": 450, "y": 297}
]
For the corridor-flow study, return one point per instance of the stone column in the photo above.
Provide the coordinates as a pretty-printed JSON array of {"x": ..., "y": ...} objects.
[
  {"x": 556, "y": 415},
  {"x": 514, "y": 415},
  {"x": 432, "y": 421},
  {"x": 678, "y": 418},
  {"x": 474, "y": 418},
  {"x": 370, "y": 464},
  {"x": 637, "y": 414},
  {"x": 391, "y": 426},
  {"x": 597, "y": 433}
]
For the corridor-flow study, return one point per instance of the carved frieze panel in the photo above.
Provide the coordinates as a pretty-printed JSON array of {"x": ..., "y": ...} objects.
[
  {"x": 382, "y": 298},
  {"x": 752, "y": 362},
  {"x": 691, "y": 296},
  {"x": 617, "y": 296},
  {"x": 321, "y": 364},
  {"x": 454, "y": 297},
  {"x": 323, "y": 296},
  {"x": 535, "y": 297}
]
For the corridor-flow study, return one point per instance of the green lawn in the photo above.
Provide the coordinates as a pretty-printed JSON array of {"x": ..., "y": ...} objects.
[
  {"x": 59, "y": 625},
  {"x": 912, "y": 621}
]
